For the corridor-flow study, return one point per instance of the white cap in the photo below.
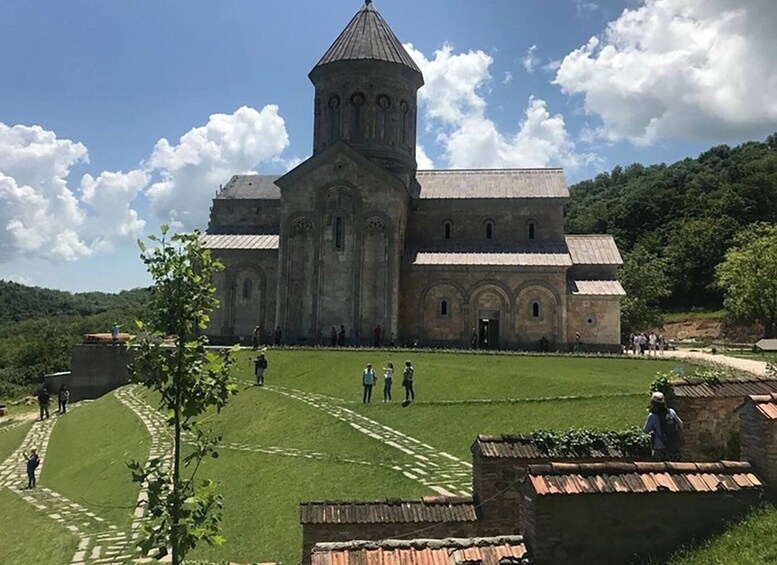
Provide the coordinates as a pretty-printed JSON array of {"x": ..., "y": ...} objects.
[{"x": 657, "y": 397}]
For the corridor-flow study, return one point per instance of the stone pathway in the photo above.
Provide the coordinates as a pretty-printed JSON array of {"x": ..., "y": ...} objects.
[
  {"x": 442, "y": 472},
  {"x": 752, "y": 366}
]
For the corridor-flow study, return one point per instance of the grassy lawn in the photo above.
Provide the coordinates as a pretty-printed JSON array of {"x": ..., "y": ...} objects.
[
  {"x": 29, "y": 537},
  {"x": 87, "y": 454},
  {"x": 11, "y": 439},
  {"x": 750, "y": 542},
  {"x": 262, "y": 495}
]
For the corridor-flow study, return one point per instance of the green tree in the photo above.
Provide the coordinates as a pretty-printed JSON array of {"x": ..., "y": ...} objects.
[
  {"x": 173, "y": 361},
  {"x": 748, "y": 276},
  {"x": 643, "y": 276}
]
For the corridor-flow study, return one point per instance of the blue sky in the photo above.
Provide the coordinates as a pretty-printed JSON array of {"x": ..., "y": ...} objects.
[{"x": 93, "y": 87}]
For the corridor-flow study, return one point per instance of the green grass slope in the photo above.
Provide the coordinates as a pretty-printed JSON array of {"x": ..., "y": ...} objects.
[
  {"x": 86, "y": 458},
  {"x": 11, "y": 439}
]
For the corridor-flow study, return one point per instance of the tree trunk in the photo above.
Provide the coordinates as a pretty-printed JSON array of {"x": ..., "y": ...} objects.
[{"x": 176, "y": 510}]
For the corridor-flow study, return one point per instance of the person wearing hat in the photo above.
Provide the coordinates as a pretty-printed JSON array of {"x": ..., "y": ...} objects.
[{"x": 665, "y": 429}]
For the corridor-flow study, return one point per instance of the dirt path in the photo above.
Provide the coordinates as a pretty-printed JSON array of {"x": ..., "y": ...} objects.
[{"x": 757, "y": 368}]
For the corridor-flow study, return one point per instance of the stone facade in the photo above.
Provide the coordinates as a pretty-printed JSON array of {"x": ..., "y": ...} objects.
[
  {"x": 363, "y": 239},
  {"x": 95, "y": 369}
]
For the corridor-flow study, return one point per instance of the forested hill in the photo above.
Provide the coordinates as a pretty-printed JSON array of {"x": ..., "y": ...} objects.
[
  {"x": 19, "y": 302},
  {"x": 686, "y": 213}
]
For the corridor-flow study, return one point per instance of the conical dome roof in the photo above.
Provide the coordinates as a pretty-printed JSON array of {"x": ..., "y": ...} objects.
[{"x": 368, "y": 37}]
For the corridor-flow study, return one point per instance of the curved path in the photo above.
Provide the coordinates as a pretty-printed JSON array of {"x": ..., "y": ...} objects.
[{"x": 752, "y": 366}]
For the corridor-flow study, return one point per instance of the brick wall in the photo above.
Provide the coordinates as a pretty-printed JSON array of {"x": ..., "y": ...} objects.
[
  {"x": 711, "y": 427},
  {"x": 758, "y": 436},
  {"x": 617, "y": 528}
]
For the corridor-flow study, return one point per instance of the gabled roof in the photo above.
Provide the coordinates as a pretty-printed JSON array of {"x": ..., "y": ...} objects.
[
  {"x": 593, "y": 250},
  {"x": 260, "y": 187},
  {"x": 492, "y": 183},
  {"x": 725, "y": 388},
  {"x": 429, "y": 509},
  {"x": 638, "y": 477},
  {"x": 240, "y": 242},
  {"x": 596, "y": 288},
  {"x": 501, "y": 550},
  {"x": 490, "y": 255},
  {"x": 766, "y": 404},
  {"x": 368, "y": 37},
  {"x": 523, "y": 447}
]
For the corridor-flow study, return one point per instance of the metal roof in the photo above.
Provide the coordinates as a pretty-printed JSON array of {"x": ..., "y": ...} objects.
[
  {"x": 491, "y": 255},
  {"x": 242, "y": 242},
  {"x": 698, "y": 388},
  {"x": 428, "y": 509},
  {"x": 450, "y": 551},
  {"x": 593, "y": 250},
  {"x": 492, "y": 183},
  {"x": 260, "y": 187},
  {"x": 766, "y": 404},
  {"x": 638, "y": 477},
  {"x": 523, "y": 447},
  {"x": 767, "y": 345},
  {"x": 596, "y": 288},
  {"x": 368, "y": 37}
]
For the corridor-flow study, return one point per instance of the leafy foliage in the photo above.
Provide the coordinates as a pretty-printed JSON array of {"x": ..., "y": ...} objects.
[
  {"x": 172, "y": 360},
  {"x": 585, "y": 442},
  {"x": 749, "y": 276},
  {"x": 644, "y": 278}
]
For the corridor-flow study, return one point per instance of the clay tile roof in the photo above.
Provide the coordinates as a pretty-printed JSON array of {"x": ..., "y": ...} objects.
[
  {"x": 239, "y": 242},
  {"x": 593, "y": 250},
  {"x": 596, "y": 288},
  {"x": 521, "y": 447},
  {"x": 766, "y": 404},
  {"x": 259, "y": 187},
  {"x": 647, "y": 477},
  {"x": 458, "y": 184},
  {"x": 501, "y": 550},
  {"x": 751, "y": 386},
  {"x": 490, "y": 254},
  {"x": 368, "y": 37},
  {"x": 429, "y": 509}
]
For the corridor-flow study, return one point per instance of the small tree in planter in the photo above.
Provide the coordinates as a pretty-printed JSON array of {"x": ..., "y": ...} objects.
[{"x": 172, "y": 360}]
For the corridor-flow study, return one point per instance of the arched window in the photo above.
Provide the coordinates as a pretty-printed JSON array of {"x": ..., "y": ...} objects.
[
  {"x": 444, "y": 308},
  {"x": 447, "y": 226},
  {"x": 334, "y": 118},
  {"x": 405, "y": 117},
  {"x": 357, "y": 101},
  {"x": 489, "y": 230},
  {"x": 338, "y": 232},
  {"x": 531, "y": 226},
  {"x": 535, "y": 309},
  {"x": 383, "y": 107},
  {"x": 247, "y": 288}
]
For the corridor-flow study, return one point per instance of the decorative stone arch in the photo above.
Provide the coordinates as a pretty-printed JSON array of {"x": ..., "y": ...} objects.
[
  {"x": 530, "y": 330},
  {"x": 450, "y": 328},
  {"x": 300, "y": 224},
  {"x": 501, "y": 287},
  {"x": 490, "y": 313},
  {"x": 243, "y": 313}
]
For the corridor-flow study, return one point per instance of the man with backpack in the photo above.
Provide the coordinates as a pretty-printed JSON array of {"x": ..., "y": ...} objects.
[
  {"x": 43, "y": 402},
  {"x": 665, "y": 428}
]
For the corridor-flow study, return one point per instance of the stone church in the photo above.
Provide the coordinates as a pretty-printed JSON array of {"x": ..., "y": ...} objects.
[{"x": 357, "y": 236}]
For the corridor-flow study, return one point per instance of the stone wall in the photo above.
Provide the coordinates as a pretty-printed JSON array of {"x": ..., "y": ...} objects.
[
  {"x": 710, "y": 427},
  {"x": 315, "y": 533},
  {"x": 758, "y": 436},
  {"x": 617, "y": 528},
  {"x": 94, "y": 370},
  {"x": 597, "y": 319},
  {"x": 244, "y": 215}
]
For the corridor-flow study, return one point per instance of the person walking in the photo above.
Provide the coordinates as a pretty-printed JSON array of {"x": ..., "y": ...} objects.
[
  {"x": 260, "y": 366},
  {"x": 388, "y": 378},
  {"x": 255, "y": 337},
  {"x": 32, "y": 463},
  {"x": 378, "y": 336},
  {"x": 63, "y": 397},
  {"x": 44, "y": 398},
  {"x": 277, "y": 335},
  {"x": 652, "y": 343},
  {"x": 333, "y": 337},
  {"x": 368, "y": 380},
  {"x": 665, "y": 428},
  {"x": 407, "y": 381}
]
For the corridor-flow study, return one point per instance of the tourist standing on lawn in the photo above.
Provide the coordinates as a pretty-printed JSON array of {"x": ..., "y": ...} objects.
[
  {"x": 43, "y": 402},
  {"x": 63, "y": 397},
  {"x": 32, "y": 463},
  {"x": 260, "y": 366},
  {"x": 333, "y": 337},
  {"x": 368, "y": 380},
  {"x": 388, "y": 378},
  {"x": 407, "y": 382},
  {"x": 665, "y": 428}
]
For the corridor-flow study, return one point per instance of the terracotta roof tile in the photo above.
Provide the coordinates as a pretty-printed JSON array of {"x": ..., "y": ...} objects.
[
  {"x": 491, "y": 183},
  {"x": 618, "y": 477},
  {"x": 522, "y": 447},
  {"x": 697, "y": 388},
  {"x": 449, "y": 551},
  {"x": 430, "y": 509},
  {"x": 766, "y": 404}
]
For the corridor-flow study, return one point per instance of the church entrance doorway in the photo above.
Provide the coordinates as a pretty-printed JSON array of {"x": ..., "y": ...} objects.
[{"x": 488, "y": 331}]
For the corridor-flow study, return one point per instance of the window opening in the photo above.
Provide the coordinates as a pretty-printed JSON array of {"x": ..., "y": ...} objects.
[
  {"x": 383, "y": 106},
  {"x": 357, "y": 100},
  {"x": 447, "y": 230},
  {"x": 444, "y": 308},
  {"x": 531, "y": 230},
  {"x": 247, "y": 289},
  {"x": 334, "y": 115},
  {"x": 489, "y": 230},
  {"x": 403, "y": 107},
  {"x": 535, "y": 310},
  {"x": 338, "y": 232}
]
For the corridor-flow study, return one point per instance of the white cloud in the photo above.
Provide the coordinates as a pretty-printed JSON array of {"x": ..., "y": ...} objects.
[
  {"x": 585, "y": 7},
  {"x": 110, "y": 196},
  {"x": 455, "y": 112},
  {"x": 682, "y": 69},
  {"x": 206, "y": 156},
  {"x": 530, "y": 60},
  {"x": 423, "y": 160},
  {"x": 508, "y": 78}
]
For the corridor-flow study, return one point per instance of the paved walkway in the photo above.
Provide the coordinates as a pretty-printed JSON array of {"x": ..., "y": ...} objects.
[
  {"x": 442, "y": 472},
  {"x": 752, "y": 366}
]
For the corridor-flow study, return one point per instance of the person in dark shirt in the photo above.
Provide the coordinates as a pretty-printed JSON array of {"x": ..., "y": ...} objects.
[
  {"x": 63, "y": 397},
  {"x": 341, "y": 336},
  {"x": 43, "y": 402},
  {"x": 277, "y": 336},
  {"x": 260, "y": 366},
  {"x": 32, "y": 463}
]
